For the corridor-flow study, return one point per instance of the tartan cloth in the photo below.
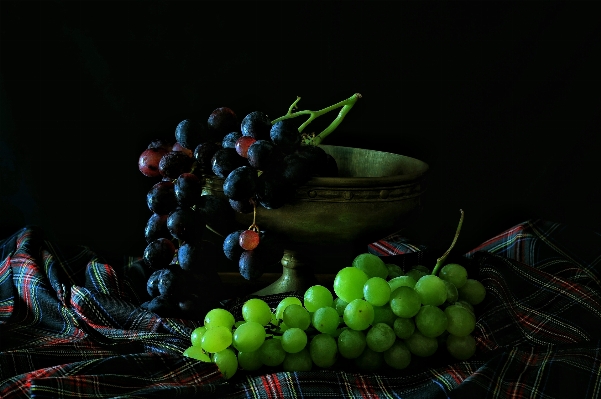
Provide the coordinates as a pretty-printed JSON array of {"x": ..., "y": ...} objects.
[{"x": 71, "y": 327}]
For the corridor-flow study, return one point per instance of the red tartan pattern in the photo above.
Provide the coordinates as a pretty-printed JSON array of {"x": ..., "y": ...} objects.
[{"x": 71, "y": 327}]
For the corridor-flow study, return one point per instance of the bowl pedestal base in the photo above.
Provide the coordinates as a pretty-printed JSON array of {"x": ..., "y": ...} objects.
[{"x": 297, "y": 275}]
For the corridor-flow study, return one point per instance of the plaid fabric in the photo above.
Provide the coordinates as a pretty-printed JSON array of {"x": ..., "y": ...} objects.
[{"x": 70, "y": 327}]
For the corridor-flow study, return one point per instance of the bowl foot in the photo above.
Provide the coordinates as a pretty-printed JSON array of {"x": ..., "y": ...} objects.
[{"x": 297, "y": 275}]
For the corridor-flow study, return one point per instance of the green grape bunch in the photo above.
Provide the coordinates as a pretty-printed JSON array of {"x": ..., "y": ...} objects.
[{"x": 377, "y": 316}]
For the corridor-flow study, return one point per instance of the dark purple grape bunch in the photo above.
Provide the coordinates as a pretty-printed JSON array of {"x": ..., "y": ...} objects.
[{"x": 183, "y": 280}]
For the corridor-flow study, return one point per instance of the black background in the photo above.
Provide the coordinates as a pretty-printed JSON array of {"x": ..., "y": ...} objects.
[{"x": 501, "y": 99}]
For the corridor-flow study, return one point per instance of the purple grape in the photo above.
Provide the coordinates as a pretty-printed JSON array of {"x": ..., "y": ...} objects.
[
  {"x": 161, "y": 305},
  {"x": 296, "y": 169},
  {"x": 174, "y": 283},
  {"x": 285, "y": 135},
  {"x": 244, "y": 206},
  {"x": 256, "y": 125},
  {"x": 264, "y": 155},
  {"x": 222, "y": 121},
  {"x": 189, "y": 133},
  {"x": 218, "y": 214},
  {"x": 175, "y": 163},
  {"x": 159, "y": 253},
  {"x": 250, "y": 265},
  {"x": 230, "y": 139},
  {"x": 195, "y": 257},
  {"x": 186, "y": 224},
  {"x": 161, "y": 198},
  {"x": 187, "y": 189},
  {"x": 315, "y": 156},
  {"x": 203, "y": 153},
  {"x": 156, "y": 227},
  {"x": 231, "y": 246},
  {"x": 273, "y": 190},
  {"x": 152, "y": 285},
  {"x": 225, "y": 160},
  {"x": 241, "y": 183}
]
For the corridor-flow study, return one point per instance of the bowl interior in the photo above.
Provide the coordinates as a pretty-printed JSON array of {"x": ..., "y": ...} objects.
[{"x": 357, "y": 163}]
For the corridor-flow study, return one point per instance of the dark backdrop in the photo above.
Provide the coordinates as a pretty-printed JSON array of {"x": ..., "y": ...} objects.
[{"x": 500, "y": 99}]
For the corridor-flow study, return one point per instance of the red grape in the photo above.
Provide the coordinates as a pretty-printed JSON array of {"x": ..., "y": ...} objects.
[
  {"x": 249, "y": 239},
  {"x": 148, "y": 163},
  {"x": 179, "y": 147},
  {"x": 242, "y": 145}
]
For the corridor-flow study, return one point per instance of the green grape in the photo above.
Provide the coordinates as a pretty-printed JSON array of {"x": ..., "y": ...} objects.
[
  {"x": 338, "y": 331},
  {"x": 219, "y": 317},
  {"x": 421, "y": 268},
  {"x": 376, "y": 291},
  {"x": 383, "y": 314},
  {"x": 403, "y": 328},
  {"x": 294, "y": 340},
  {"x": 216, "y": 339},
  {"x": 461, "y": 321},
  {"x": 197, "y": 334},
  {"x": 452, "y": 293},
  {"x": 317, "y": 297},
  {"x": 369, "y": 360},
  {"x": 417, "y": 272},
  {"x": 431, "y": 321},
  {"x": 351, "y": 343},
  {"x": 461, "y": 348},
  {"x": 282, "y": 327},
  {"x": 239, "y": 323},
  {"x": 431, "y": 290},
  {"x": 296, "y": 316},
  {"x": 398, "y": 356},
  {"x": 394, "y": 271},
  {"x": 258, "y": 310},
  {"x": 405, "y": 302},
  {"x": 358, "y": 315},
  {"x": 323, "y": 350},
  {"x": 466, "y": 305},
  {"x": 420, "y": 345},
  {"x": 472, "y": 291},
  {"x": 349, "y": 282},
  {"x": 326, "y": 320},
  {"x": 339, "y": 305},
  {"x": 454, "y": 273},
  {"x": 401, "y": 281},
  {"x": 271, "y": 352},
  {"x": 195, "y": 352},
  {"x": 371, "y": 264},
  {"x": 289, "y": 300},
  {"x": 299, "y": 361},
  {"x": 274, "y": 320},
  {"x": 249, "y": 336},
  {"x": 226, "y": 362},
  {"x": 380, "y": 337},
  {"x": 250, "y": 361}
]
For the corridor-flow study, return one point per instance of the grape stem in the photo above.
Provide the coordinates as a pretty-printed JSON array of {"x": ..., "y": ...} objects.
[
  {"x": 254, "y": 226},
  {"x": 317, "y": 139},
  {"x": 440, "y": 261}
]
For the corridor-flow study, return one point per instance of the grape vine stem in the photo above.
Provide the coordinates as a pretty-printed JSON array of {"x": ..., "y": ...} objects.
[
  {"x": 345, "y": 106},
  {"x": 440, "y": 261}
]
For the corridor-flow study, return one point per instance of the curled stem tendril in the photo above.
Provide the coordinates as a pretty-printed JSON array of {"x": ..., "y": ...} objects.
[{"x": 346, "y": 106}]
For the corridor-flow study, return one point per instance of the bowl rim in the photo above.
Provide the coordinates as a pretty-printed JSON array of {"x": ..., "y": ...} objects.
[{"x": 358, "y": 182}]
